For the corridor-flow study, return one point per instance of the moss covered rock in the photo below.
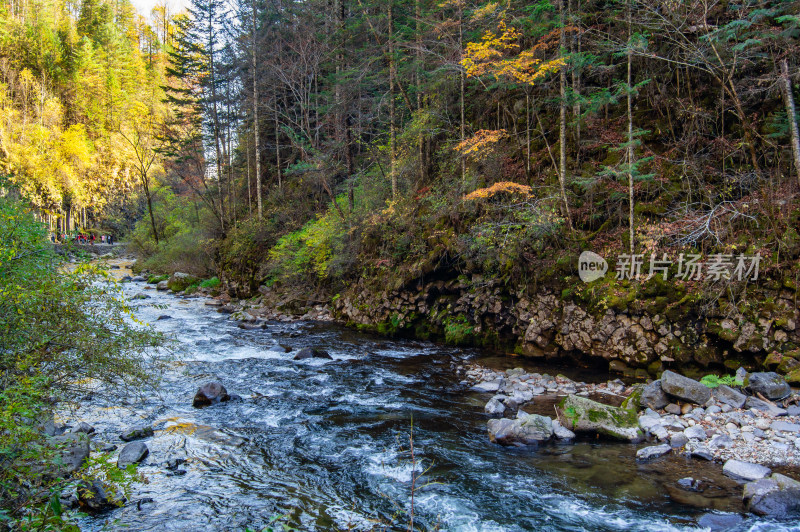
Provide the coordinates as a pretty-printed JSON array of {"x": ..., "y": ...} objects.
[{"x": 580, "y": 414}]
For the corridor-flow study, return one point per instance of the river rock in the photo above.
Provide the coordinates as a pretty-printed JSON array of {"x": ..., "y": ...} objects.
[
  {"x": 744, "y": 471},
  {"x": 180, "y": 281},
  {"x": 580, "y": 414},
  {"x": 209, "y": 394},
  {"x": 678, "y": 439},
  {"x": 684, "y": 388},
  {"x": 162, "y": 286},
  {"x": 695, "y": 433},
  {"x": 133, "y": 453},
  {"x": 719, "y": 522},
  {"x": 654, "y": 451},
  {"x": 777, "y": 496},
  {"x": 653, "y": 396},
  {"x": 494, "y": 407},
  {"x": 74, "y": 448},
  {"x": 672, "y": 408},
  {"x": 720, "y": 441},
  {"x": 528, "y": 429},
  {"x": 486, "y": 386},
  {"x": 310, "y": 352},
  {"x": 769, "y": 384},
  {"x": 138, "y": 279},
  {"x": 784, "y": 426},
  {"x": 84, "y": 428},
  {"x": 137, "y": 433},
  {"x": 92, "y": 497},
  {"x": 729, "y": 396},
  {"x": 562, "y": 433},
  {"x": 140, "y": 296},
  {"x": 764, "y": 406}
]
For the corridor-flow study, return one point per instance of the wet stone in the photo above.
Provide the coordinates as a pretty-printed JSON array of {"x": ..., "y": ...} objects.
[
  {"x": 133, "y": 453},
  {"x": 744, "y": 471}
]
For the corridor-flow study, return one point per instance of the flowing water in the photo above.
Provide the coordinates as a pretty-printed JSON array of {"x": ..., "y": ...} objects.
[{"x": 324, "y": 443}]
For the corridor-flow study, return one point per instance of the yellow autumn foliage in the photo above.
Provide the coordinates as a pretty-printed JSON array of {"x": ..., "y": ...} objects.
[{"x": 507, "y": 187}]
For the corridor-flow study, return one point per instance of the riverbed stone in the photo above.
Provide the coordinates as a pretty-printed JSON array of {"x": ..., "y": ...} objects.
[
  {"x": 581, "y": 414},
  {"x": 729, "y": 396},
  {"x": 137, "y": 433},
  {"x": 210, "y": 393},
  {"x": 718, "y": 522},
  {"x": 133, "y": 453},
  {"x": 745, "y": 471},
  {"x": 562, "y": 433},
  {"x": 162, "y": 286},
  {"x": 763, "y": 406},
  {"x": 311, "y": 352},
  {"x": 487, "y": 386},
  {"x": 494, "y": 407},
  {"x": 695, "y": 433},
  {"x": 672, "y": 408},
  {"x": 777, "y": 496},
  {"x": 654, "y": 451},
  {"x": 769, "y": 384},
  {"x": 785, "y": 426},
  {"x": 92, "y": 497},
  {"x": 653, "y": 396},
  {"x": 84, "y": 428},
  {"x": 684, "y": 388},
  {"x": 529, "y": 429}
]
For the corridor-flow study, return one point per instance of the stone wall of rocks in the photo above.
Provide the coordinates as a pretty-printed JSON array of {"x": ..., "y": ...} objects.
[{"x": 544, "y": 324}]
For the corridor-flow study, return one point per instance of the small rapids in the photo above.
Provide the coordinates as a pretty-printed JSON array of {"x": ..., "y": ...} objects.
[{"x": 324, "y": 443}]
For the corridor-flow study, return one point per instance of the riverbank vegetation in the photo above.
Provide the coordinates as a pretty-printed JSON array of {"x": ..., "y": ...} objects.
[{"x": 63, "y": 334}]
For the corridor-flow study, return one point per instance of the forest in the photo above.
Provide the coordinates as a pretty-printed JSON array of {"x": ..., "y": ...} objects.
[
  {"x": 321, "y": 145},
  {"x": 418, "y": 169}
]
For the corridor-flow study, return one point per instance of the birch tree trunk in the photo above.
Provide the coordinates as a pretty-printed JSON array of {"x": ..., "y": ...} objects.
[
  {"x": 792, "y": 113},
  {"x": 562, "y": 136},
  {"x": 255, "y": 118}
]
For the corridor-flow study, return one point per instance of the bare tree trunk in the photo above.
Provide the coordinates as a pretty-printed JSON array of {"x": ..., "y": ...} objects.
[
  {"x": 215, "y": 117},
  {"x": 562, "y": 172},
  {"x": 255, "y": 119},
  {"x": 278, "y": 145},
  {"x": 630, "y": 142},
  {"x": 527, "y": 132},
  {"x": 392, "y": 131},
  {"x": 462, "y": 80},
  {"x": 418, "y": 83},
  {"x": 792, "y": 113}
]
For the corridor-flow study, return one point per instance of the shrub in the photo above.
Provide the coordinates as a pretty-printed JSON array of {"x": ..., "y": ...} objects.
[{"x": 60, "y": 333}]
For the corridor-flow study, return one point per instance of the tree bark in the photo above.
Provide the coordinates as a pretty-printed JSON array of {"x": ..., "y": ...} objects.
[
  {"x": 392, "y": 131},
  {"x": 562, "y": 171},
  {"x": 631, "y": 231},
  {"x": 792, "y": 114},
  {"x": 255, "y": 118}
]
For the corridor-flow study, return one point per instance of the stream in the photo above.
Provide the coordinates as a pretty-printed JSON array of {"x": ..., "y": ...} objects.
[{"x": 323, "y": 443}]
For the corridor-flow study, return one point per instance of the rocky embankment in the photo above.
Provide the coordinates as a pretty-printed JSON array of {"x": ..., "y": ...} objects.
[
  {"x": 748, "y": 428},
  {"x": 635, "y": 330}
]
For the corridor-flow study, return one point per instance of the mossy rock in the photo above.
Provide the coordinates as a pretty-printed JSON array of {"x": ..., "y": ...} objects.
[
  {"x": 580, "y": 414},
  {"x": 178, "y": 282},
  {"x": 793, "y": 377}
]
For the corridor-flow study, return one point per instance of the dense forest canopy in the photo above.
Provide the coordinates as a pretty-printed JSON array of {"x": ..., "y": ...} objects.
[{"x": 319, "y": 139}]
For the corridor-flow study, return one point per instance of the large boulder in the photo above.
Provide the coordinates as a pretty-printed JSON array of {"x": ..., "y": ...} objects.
[
  {"x": 209, "y": 394},
  {"x": 777, "y": 496},
  {"x": 178, "y": 281},
  {"x": 653, "y": 396},
  {"x": 744, "y": 471},
  {"x": 133, "y": 453},
  {"x": 729, "y": 396},
  {"x": 684, "y": 388},
  {"x": 92, "y": 497},
  {"x": 580, "y": 414},
  {"x": 137, "y": 433},
  {"x": 528, "y": 429},
  {"x": 769, "y": 384},
  {"x": 310, "y": 352}
]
